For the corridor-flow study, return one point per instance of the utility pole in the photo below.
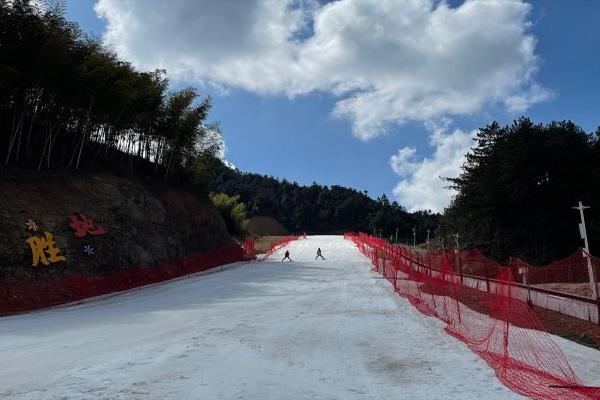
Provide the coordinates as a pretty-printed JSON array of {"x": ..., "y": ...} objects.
[
  {"x": 414, "y": 236},
  {"x": 591, "y": 272},
  {"x": 428, "y": 238},
  {"x": 396, "y": 235}
]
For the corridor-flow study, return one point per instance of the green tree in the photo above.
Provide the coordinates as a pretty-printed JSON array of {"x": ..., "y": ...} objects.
[
  {"x": 67, "y": 101},
  {"x": 233, "y": 212},
  {"x": 517, "y": 188},
  {"x": 315, "y": 208}
]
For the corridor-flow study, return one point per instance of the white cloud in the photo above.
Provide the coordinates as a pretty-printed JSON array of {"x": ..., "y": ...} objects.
[
  {"x": 522, "y": 101},
  {"x": 401, "y": 163},
  {"x": 386, "y": 61},
  {"x": 421, "y": 186}
]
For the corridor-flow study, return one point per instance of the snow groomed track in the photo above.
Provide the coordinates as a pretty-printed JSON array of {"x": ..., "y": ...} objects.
[{"x": 263, "y": 330}]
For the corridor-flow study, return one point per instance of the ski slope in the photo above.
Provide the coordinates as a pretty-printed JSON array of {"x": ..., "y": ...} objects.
[{"x": 261, "y": 330}]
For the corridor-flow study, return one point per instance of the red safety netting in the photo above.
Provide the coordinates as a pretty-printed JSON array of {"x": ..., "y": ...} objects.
[
  {"x": 19, "y": 296},
  {"x": 249, "y": 247},
  {"x": 572, "y": 269},
  {"x": 569, "y": 275},
  {"x": 497, "y": 325}
]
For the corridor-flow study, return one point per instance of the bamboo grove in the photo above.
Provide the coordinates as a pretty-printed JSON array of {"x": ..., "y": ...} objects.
[{"x": 66, "y": 101}]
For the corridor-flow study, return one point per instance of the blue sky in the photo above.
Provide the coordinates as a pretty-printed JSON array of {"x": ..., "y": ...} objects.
[{"x": 277, "y": 129}]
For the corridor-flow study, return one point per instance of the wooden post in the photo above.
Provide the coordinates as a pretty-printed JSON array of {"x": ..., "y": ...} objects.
[
  {"x": 487, "y": 276},
  {"x": 586, "y": 254},
  {"x": 460, "y": 266},
  {"x": 528, "y": 287}
]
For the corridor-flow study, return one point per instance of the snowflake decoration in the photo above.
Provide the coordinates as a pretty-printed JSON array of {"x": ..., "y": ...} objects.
[
  {"x": 31, "y": 225},
  {"x": 89, "y": 250}
]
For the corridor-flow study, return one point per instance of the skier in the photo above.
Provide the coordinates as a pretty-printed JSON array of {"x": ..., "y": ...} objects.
[
  {"x": 319, "y": 254},
  {"x": 287, "y": 255}
]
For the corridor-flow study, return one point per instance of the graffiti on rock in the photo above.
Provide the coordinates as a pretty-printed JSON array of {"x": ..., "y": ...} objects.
[
  {"x": 83, "y": 225},
  {"x": 44, "y": 250}
]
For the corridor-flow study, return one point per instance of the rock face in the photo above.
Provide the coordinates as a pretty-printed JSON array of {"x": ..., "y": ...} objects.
[{"x": 145, "y": 223}]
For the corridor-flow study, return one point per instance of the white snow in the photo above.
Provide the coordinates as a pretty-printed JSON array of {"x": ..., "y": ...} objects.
[{"x": 262, "y": 330}]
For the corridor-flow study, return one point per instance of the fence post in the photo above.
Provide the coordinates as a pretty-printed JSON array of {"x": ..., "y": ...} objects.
[
  {"x": 506, "y": 315},
  {"x": 460, "y": 266},
  {"x": 529, "y": 303},
  {"x": 593, "y": 281},
  {"x": 429, "y": 261},
  {"x": 487, "y": 275}
]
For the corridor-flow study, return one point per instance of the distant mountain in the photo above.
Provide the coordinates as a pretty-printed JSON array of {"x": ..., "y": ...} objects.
[{"x": 316, "y": 208}]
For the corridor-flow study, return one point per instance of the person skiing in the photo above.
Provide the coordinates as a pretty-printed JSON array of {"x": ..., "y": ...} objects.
[
  {"x": 287, "y": 255},
  {"x": 319, "y": 254}
]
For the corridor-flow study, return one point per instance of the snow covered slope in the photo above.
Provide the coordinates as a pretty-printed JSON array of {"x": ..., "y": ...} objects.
[{"x": 270, "y": 330}]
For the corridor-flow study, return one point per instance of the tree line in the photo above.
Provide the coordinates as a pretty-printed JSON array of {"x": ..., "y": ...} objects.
[
  {"x": 517, "y": 189},
  {"x": 317, "y": 208},
  {"x": 66, "y": 101}
]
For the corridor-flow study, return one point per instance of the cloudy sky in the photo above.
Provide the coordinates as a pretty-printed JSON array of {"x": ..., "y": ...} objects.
[{"x": 379, "y": 95}]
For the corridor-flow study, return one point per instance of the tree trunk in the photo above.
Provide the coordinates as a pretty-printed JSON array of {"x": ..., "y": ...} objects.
[
  {"x": 85, "y": 130},
  {"x": 14, "y": 134},
  {"x": 52, "y": 141}
]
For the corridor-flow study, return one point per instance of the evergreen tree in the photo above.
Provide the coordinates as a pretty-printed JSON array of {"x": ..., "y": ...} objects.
[{"x": 517, "y": 188}]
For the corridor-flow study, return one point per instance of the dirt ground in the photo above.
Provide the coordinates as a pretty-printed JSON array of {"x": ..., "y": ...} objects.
[
  {"x": 579, "y": 289},
  {"x": 262, "y": 244}
]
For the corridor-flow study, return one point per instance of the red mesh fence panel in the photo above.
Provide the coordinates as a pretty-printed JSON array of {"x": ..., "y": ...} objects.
[
  {"x": 569, "y": 275},
  {"x": 19, "y": 296},
  {"x": 249, "y": 247},
  {"x": 497, "y": 324},
  {"x": 572, "y": 269}
]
